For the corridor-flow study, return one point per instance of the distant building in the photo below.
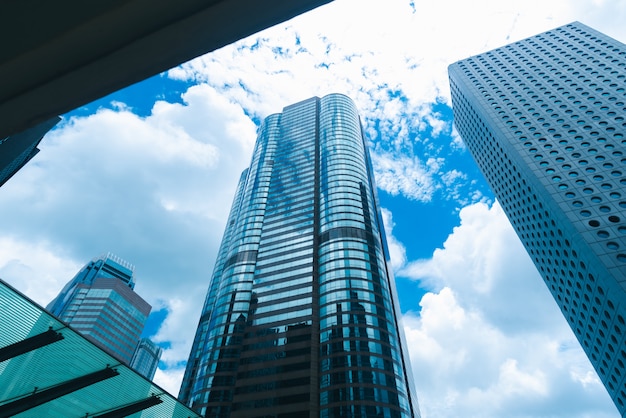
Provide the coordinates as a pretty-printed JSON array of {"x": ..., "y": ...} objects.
[
  {"x": 146, "y": 358},
  {"x": 544, "y": 119},
  {"x": 16, "y": 150},
  {"x": 100, "y": 303},
  {"x": 301, "y": 316}
]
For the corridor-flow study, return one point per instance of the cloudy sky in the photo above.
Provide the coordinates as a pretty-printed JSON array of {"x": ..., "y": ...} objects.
[{"x": 149, "y": 173}]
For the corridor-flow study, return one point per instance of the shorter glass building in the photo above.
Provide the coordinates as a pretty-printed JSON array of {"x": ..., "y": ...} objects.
[{"x": 146, "y": 358}]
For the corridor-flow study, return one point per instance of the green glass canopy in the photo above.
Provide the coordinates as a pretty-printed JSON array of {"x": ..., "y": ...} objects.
[{"x": 49, "y": 370}]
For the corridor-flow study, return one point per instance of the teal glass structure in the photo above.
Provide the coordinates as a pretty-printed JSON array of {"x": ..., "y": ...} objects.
[
  {"x": 544, "y": 118},
  {"x": 48, "y": 369},
  {"x": 301, "y": 317},
  {"x": 100, "y": 303}
]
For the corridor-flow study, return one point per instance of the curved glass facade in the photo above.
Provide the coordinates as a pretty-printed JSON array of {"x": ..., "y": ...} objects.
[{"x": 299, "y": 318}]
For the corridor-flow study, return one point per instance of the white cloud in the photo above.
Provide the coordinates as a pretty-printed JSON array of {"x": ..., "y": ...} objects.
[
  {"x": 178, "y": 329},
  {"x": 170, "y": 379},
  {"x": 391, "y": 57},
  {"x": 397, "y": 251},
  {"x": 489, "y": 340},
  {"x": 155, "y": 191},
  {"x": 366, "y": 48},
  {"x": 37, "y": 269},
  {"x": 404, "y": 175}
]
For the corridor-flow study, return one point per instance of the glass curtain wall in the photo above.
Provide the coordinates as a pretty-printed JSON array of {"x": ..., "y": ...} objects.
[{"x": 299, "y": 318}]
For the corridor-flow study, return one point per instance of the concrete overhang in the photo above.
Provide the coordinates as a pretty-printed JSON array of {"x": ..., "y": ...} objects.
[{"x": 58, "y": 55}]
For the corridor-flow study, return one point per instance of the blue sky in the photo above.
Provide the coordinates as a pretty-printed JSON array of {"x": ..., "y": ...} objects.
[{"x": 148, "y": 173}]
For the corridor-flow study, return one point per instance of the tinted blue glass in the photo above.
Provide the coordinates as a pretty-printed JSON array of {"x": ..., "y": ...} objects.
[{"x": 300, "y": 294}]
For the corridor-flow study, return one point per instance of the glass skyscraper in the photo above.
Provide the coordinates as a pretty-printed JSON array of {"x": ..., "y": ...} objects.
[
  {"x": 544, "y": 119},
  {"x": 100, "y": 303},
  {"x": 301, "y": 318}
]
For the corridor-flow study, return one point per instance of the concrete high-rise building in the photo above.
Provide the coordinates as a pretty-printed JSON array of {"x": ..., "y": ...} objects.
[
  {"x": 146, "y": 358},
  {"x": 301, "y": 318},
  {"x": 544, "y": 119},
  {"x": 100, "y": 303}
]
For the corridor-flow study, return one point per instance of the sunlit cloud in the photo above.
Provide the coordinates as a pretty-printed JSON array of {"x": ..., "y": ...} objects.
[
  {"x": 153, "y": 190},
  {"x": 489, "y": 340}
]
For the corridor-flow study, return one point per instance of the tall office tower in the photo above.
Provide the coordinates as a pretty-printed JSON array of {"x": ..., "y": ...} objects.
[
  {"x": 100, "y": 303},
  {"x": 544, "y": 120},
  {"x": 300, "y": 319}
]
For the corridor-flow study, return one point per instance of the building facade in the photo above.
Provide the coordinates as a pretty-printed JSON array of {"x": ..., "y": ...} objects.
[
  {"x": 544, "y": 118},
  {"x": 146, "y": 358},
  {"x": 301, "y": 317},
  {"x": 100, "y": 303},
  {"x": 17, "y": 150}
]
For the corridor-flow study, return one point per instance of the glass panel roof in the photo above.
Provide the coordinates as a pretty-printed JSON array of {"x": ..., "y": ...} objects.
[{"x": 73, "y": 356}]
